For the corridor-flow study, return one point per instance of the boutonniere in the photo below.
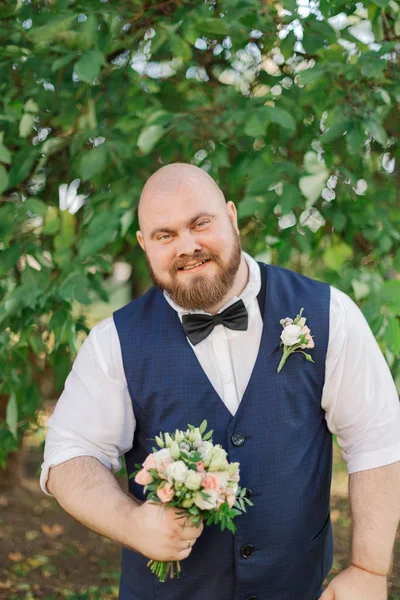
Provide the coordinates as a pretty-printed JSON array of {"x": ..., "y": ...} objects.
[{"x": 295, "y": 336}]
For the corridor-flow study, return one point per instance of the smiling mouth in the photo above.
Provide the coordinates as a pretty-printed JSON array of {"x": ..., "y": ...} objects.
[{"x": 195, "y": 266}]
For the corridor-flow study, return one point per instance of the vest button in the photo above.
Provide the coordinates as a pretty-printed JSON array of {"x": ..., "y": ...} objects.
[
  {"x": 252, "y": 598},
  {"x": 238, "y": 439},
  {"x": 247, "y": 551},
  {"x": 248, "y": 494}
]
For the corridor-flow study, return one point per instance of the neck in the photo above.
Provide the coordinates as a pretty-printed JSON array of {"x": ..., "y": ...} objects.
[{"x": 241, "y": 280}]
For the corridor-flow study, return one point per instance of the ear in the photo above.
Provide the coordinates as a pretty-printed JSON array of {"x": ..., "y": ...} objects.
[
  {"x": 139, "y": 237},
  {"x": 232, "y": 214}
]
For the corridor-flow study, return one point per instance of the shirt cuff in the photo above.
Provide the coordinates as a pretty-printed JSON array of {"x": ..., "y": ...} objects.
[
  {"x": 57, "y": 460},
  {"x": 372, "y": 460}
]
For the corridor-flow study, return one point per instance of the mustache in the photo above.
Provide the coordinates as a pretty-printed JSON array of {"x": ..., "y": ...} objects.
[{"x": 201, "y": 256}]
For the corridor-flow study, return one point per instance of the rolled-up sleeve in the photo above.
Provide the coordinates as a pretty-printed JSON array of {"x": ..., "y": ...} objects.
[
  {"x": 93, "y": 416},
  {"x": 360, "y": 399}
]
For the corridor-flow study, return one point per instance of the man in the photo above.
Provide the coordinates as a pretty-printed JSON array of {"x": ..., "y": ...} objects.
[{"x": 156, "y": 366}]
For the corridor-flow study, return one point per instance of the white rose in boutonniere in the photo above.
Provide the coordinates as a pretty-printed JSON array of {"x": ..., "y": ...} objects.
[
  {"x": 290, "y": 335},
  {"x": 295, "y": 336}
]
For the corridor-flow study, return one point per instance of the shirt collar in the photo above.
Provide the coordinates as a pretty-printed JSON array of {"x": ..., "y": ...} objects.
[{"x": 249, "y": 293}]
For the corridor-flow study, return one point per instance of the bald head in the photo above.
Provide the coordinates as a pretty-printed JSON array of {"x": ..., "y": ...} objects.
[
  {"x": 171, "y": 181},
  {"x": 190, "y": 237}
]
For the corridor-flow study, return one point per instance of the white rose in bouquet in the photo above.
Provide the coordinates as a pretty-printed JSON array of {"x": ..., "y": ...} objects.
[
  {"x": 176, "y": 471},
  {"x": 163, "y": 457},
  {"x": 218, "y": 460},
  {"x": 193, "y": 480},
  {"x": 205, "y": 450}
]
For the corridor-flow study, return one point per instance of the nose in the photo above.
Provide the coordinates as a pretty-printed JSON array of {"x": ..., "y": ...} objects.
[{"x": 187, "y": 244}]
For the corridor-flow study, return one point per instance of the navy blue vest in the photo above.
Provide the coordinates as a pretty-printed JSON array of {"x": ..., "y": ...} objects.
[{"x": 283, "y": 547}]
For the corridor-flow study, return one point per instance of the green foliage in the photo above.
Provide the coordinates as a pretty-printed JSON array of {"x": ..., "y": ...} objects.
[{"x": 302, "y": 134}]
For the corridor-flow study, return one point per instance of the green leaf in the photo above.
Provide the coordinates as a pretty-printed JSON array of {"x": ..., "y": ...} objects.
[
  {"x": 93, "y": 162},
  {"x": 3, "y": 179},
  {"x": 203, "y": 426},
  {"x": 290, "y": 198},
  {"x": 158, "y": 40},
  {"x": 390, "y": 295},
  {"x": 377, "y": 131},
  {"x": 53, "y": 26},
  {"x": 250, "y": 207},
  {"x": 93, "y": 244},
  {"x": 335, "y": 256},
  {"x": 63, "y": 61},
  {"x": 26, "y": 124},
  {"x": 149, "y": 138},
  {"x": 12, "y": 414},
  {"x": 336, "y": 130},
  {"x": 35, "y": 206},
  {"x": 8, "y": 258},
  {"x": 5, "y": 154},
  {"x": 312, "y": 75},
  {"x": 339, "y": 221},
  {"x": 396, "y": 261},
  {"x": 281, "y": 117},
  {"x": 213, "y": 27},
  {"x": 381, "y": 3},
  {"x": 21, "y": 166},
  {"x": 75, "y": 287},
  {"x": 392, "y": 336},
  {"x": 179, "y": 47},
  {"x": 52, "y": 221},
  {"x": 88, "y": 66}
]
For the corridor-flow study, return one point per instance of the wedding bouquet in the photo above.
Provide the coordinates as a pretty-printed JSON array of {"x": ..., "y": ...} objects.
[{"x": 190, "y": 473}]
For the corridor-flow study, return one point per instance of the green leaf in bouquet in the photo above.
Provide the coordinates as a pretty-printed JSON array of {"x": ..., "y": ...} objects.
[
  {"x": 151, "y": 487},
  {"x": 195, "y": 457},
  {"x": 208, "y": 435},
  {"x": 203, "y": 426},
  {"x": 231, "y": 526}
]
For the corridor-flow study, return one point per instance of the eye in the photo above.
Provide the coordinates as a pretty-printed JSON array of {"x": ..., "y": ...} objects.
[
  {"x": 202, "y": 223},
  {"x": 163, "y": 237}
]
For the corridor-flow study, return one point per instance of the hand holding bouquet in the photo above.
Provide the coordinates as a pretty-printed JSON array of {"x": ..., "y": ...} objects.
[{"x": 189, "y": 472}]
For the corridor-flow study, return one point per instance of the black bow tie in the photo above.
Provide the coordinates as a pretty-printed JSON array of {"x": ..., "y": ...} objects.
[{"x": 197, "y": 326}]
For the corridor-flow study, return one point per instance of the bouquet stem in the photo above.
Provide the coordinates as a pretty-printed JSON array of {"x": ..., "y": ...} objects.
[
  {"x": 283, "y": 360},
  {"x": 164, "y": 569}
]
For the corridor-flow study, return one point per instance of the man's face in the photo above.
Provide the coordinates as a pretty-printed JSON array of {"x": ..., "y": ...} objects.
[{"x": 191, "y": 243}]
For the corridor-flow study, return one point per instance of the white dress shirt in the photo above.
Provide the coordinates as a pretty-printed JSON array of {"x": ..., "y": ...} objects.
[{"x": 94, "y": 415}]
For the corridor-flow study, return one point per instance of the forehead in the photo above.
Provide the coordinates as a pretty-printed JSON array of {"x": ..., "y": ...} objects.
[{"x": 178, "y": 202}]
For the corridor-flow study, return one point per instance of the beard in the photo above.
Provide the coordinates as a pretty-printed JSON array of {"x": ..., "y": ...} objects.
[{"x": 201, "y": 292}]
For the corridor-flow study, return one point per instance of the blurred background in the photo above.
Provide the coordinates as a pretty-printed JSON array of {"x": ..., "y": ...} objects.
[{"x": 292, "y": 107}]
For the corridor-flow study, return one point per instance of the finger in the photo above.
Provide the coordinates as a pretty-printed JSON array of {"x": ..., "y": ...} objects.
[
  {"x": 328, "y": 594},
  {"x": 190, "y": 533},
  {"x": 182, "y": 554},
  {"x": 186, "y": 543}
]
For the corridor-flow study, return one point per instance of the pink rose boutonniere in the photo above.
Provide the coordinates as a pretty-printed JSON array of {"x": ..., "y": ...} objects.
[{"x": 295, "y": 336}]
